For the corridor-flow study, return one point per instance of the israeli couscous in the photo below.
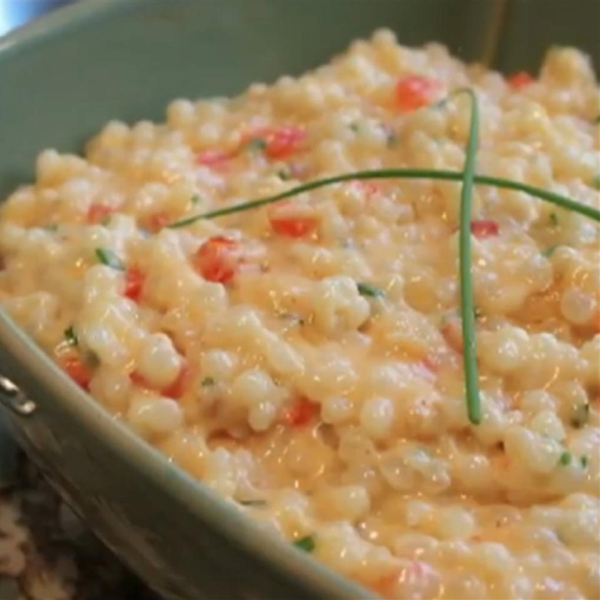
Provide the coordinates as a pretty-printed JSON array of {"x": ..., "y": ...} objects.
[{"x": 304, "y": 358}]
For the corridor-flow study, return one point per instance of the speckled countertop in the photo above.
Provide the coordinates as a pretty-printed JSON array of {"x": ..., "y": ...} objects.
[{"x": 46, "y": 553}]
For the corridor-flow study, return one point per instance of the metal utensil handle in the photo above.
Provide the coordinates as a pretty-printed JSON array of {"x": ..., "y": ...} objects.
[{"x": 14, "y": 399}]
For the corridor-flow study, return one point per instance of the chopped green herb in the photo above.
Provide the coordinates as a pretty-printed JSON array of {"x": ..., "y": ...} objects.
[
  {"x": 597, "y": 120},
  {"x": 306, "y": 543},
  {"x": 207, "y": 381},
  {"x": 253, "y": 502},
  {"x": 366, "y": 289},
  {"x": 284, "y": 174},
  {"x": 354, "y": 126},
  {"x": 580, "y": 415},
  {"x": 110, "y": 259},
  {"x": 105, "y": 221},
  {"x": 549, "y": 251},
  {"x": 596, "y": 182},
  {"x": 71, "y": 336},
  {"x": 51, "y": 227},
  {"x": 565, "y": 459},
  {"x": 585, "y": 461},
  {"x": 553, "y": 219},
  {"x": 195, "y": 199},
  {"x": 256, "y": 144},
  {"x": 478, "y": 312}
]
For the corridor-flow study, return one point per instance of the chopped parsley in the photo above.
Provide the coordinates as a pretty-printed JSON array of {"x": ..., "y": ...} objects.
[
  {"x": 253, "y": 502},
  {"x": 565, "y": 459},
  {"x": 580, "y": 415},
  {"x": 51, "y": 227},
  {"x": 596, "y": 182},
  {"x": 585, "y": 461},
  {"x": 354, "y": 126},
  {"x": 366, "y": 289},
  {"x": 284, "y": 174},
  {"x": 207, "y": 381},
  {"x": 71, "y": 336},
  {"x": 110, "y": 259},
  {"x": 306, "y": 543},
  {"x": 549, "y": 251},
  {"x": 195, "y": 199},
  {"x": 477, "y": 312},
  {"x": 256, "y": 145},
  {"x": 553, "y": 219},
  {"x": 597, "y": 120}
]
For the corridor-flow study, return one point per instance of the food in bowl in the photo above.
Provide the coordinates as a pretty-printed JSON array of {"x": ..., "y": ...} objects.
[{"x": 305, "y": 358}]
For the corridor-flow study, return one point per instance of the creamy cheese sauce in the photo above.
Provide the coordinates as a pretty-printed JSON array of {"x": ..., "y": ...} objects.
[{"x": 304, "y": 359}]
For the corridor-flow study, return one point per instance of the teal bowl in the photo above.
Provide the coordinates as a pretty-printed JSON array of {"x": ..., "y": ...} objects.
[{"x": 69, "y": 73}]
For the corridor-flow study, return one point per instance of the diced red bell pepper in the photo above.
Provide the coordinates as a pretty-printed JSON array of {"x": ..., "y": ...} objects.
[
  {"x": 283, "y": 141},
  {"x": 520, "y": 80},
  {"x": 301, "y": 412},
  {"x": 158, "y": 221},
  {"x": 415, "y": 91},
  {"x": 76, "y": 369},
  {"x": 279, "y": 142},
  {"x": 134, "y": 283},
  {"x": 98, "y": 212},
  {"x": 217, "y": 259},
  {"x": 213, "y": 158},
  {"x": 137, "y": 379},
  {"x": 484, "y": 228},
  {"x": 295, "y": 227}
]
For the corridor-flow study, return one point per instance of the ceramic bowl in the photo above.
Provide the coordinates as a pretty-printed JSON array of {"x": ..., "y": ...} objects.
[{"x": 69, "y": 73}]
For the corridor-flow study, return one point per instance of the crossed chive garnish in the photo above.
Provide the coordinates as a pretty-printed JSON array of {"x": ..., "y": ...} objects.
[{"x": 469, "y": 179}]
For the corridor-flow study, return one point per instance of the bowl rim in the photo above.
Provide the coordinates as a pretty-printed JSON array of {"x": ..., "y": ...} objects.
[{"x": 39, "y": 369}]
